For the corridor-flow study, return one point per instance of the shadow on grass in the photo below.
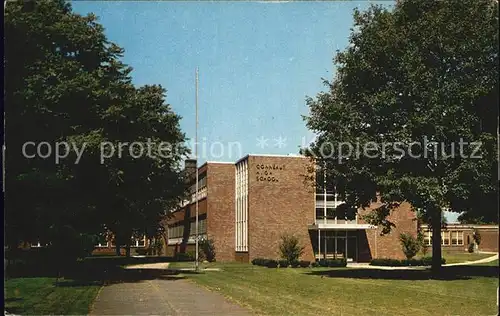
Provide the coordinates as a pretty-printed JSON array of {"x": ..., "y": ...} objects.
[
  {"x": 94, "y": 272},
  {"x": 446, "y": 273}
]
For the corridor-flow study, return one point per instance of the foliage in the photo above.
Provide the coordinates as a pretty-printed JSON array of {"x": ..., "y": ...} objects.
[
  {"x": 185, "y": 256},
  {"x": 424, "y": 261},
  {"x": 409, "y": 244},
  {"x": 272, "y": 263},
  {"x": 290, "y": 248},
  {"x": 421, "y": 241},
  {"x": 207, "y": 248},
  {"x": 304, "y": 263},
  {"x": 477, "y": 237},
  {"x": 332, "y": 262},
  {"x": 283, "y": 263},
  {"x": 66, "y": 83},
  {"x": 423, "y": 73},
  {"x": 259, "y": 261},
  {"x": 470, "y": 247}
]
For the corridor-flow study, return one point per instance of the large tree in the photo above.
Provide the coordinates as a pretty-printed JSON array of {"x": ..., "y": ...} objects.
[
  {"x": 65, "y": 82},
  {"x": 415, "y": 82}
]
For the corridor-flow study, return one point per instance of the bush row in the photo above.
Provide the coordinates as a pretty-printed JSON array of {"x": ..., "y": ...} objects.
[
  {"x": 330, "y": 263},
  {"x": 424, "y": 261},
  {"x": 270, "y": 263}
]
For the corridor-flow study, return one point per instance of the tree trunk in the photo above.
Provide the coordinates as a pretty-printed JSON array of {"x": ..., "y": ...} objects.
[
  {"x": 436, "y": 240},
  {"x": 127, "y": 251},
  {"x": 117, "y": 248}
]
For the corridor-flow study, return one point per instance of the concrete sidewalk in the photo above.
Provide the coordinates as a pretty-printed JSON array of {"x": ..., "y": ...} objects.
[
  {"x": 168, "y": 296},
  {"x": 368, "y": 266}
]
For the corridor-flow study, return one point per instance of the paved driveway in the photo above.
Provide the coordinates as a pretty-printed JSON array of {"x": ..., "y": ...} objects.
[{"x": 169, "y": 296}]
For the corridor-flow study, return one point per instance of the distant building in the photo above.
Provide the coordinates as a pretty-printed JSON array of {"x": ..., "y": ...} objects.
[{"x": 457, "y": 237}]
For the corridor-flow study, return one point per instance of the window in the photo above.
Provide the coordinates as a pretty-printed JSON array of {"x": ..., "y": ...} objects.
[
  {"x": 138, "y": 241},
  {"x": 428, "y": 237},
  {"x": 460, "y": 237},
  {"x": 457, "y": 237},
  {"x": 445, "y": 238}
]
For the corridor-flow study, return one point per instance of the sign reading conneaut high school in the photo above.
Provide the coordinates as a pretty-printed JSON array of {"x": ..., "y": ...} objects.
[{"x": 268, "y": 172}]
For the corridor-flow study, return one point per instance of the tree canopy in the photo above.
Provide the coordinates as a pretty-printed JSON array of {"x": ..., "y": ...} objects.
[
  {"x": 415, "y": 82},
  {"x": 66, "y": 84}
]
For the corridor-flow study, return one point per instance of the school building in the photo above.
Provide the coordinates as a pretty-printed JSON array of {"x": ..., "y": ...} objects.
[{"x": 245, "y": 207}]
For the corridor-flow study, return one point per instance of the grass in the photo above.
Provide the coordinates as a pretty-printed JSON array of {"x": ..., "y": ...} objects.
[
  {"x": 41, "y": 296},
  {"x": 340, "y": 291},
  {"x": 490, "y": 264},
  {"x": 456, "y": 257}
]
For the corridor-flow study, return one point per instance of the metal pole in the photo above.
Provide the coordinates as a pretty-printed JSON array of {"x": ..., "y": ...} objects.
[
  {"x": 196, "y": 156},
  {"x": 324, "y": 195}
]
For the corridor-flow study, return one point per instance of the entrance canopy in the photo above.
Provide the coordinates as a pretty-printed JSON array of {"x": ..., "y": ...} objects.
[{"x": 322, "y": 226}]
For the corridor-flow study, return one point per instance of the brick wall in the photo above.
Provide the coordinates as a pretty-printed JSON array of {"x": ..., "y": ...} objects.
[
  {"x": 221, "y": 209},
  {"x": 279, "y": 202},
  {"x": 489, "y": 240},
  {"x": 387, "y": 246}
]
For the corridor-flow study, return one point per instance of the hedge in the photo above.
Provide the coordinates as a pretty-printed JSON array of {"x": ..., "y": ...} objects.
[
  {"x": 270, "y": 263},
  {"x": 424, "y": 261},
  {"x": 331, "y": 263}
]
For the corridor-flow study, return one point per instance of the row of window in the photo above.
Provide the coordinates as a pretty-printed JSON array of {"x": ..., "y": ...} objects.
[
  {"x": 241, "y": 207},
  {"x": 449, "y": 237},
  {"x": 177, "y": 231},
  {"x": 202, "y": 182},
  {"x": 135, "y": 242}
]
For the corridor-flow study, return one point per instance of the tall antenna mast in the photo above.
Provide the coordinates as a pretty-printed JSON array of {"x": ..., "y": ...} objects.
[{"x": 196, "y": 157}]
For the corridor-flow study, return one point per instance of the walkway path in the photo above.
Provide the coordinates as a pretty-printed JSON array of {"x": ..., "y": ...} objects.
[
  {"x": 170, "y": 295},
  {"x": 368, "y": 266}
]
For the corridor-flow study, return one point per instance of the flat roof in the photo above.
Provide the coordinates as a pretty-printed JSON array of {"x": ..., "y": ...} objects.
[{"x": 270, "y": 155}]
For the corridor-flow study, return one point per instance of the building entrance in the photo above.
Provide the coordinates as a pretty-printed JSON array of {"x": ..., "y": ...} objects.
[{"x": 335, "y": 244}]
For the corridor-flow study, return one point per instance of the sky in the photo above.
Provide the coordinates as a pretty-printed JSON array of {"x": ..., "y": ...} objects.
[{"x": 257, "y": 64}]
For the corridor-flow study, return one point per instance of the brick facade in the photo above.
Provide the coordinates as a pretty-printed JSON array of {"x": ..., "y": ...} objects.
[
  {"x": 220, "y": 219},
  {"x": 371, "y": 242},
  {"x": 279, "y": 200}
]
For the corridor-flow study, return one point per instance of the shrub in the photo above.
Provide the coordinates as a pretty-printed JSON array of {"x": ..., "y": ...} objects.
[
  {"x": 424, "y": 248},
  {"x": 283, "y": 263},
  {"x": 470, "y": 248},
  {"x": 207, "y": 249},
  {"x": 410, "y": 245},
  {"x": 304, "y": 264},
  {"x": 424, "y": 261},
  {"x": 477, "y": 237},
  {"x": 295, "y": 264},
  {"x": 272, "y": 264},
  {"x": 315, "y": 264},
  {"x": 184, "y": 256},
  {"x": 427, "y": 261},
  {"x": 259, "y": 261},
  {"x": 141, "y": 251},
  {"x": 290, "y": 248},
  {"x": 332, "y": 263}
]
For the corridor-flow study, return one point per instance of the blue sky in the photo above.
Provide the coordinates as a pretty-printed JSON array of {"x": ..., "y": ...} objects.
[{"x": 257, "y": 63}]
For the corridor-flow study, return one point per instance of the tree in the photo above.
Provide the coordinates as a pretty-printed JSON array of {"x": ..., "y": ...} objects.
[
  {"x": 415, "y": 83},
  {"x": 65, "y": 83},
  {"x": 290, "y": 248},
  {"x": 410, "y": 245}
]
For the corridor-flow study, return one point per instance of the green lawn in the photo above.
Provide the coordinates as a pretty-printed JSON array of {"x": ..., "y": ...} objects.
[
  {"x": 491, "y": 264},
  {"x": 40, "y": 296},
  {"x": 323, "y": 291},
  {"x": 455, "y": 257}
]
